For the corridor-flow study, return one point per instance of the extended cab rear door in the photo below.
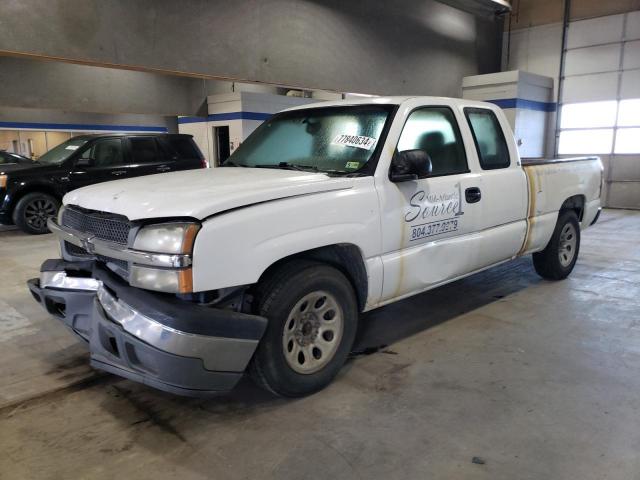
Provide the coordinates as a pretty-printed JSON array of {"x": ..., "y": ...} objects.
[{"x": 502, "y": 222}]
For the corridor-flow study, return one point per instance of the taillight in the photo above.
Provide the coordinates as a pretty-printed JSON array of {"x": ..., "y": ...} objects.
[{"x": 203, "y": 163}]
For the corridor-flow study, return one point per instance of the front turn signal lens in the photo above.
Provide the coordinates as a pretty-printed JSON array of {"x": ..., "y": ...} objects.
[{"x": 161, "y": 279}]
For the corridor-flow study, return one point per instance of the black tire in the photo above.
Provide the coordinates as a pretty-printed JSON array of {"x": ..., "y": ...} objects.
[
  {"x": 555, "y": 262},
  {"x": 33, "y": 210},
  {"x": 276, "y": 298}
]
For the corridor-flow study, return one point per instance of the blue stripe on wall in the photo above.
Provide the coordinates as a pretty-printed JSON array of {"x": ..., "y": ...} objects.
[
  {"x": 525, "y": 104},
  {"x": 81, "y": 127},
  {"x": 218, "y": 117}
]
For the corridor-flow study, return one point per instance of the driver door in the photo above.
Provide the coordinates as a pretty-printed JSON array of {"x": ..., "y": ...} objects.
[{"x": 429, "y": 224}]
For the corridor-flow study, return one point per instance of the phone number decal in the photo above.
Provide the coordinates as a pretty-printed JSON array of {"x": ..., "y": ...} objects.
[{"x": 433, "y": 228}]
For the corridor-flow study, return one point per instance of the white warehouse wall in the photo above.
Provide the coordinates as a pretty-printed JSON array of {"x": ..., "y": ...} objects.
[{"x": 602, "y": 63}]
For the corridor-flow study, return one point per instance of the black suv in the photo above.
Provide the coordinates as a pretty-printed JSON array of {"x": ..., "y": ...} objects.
[{"x": 30, "y": 192}]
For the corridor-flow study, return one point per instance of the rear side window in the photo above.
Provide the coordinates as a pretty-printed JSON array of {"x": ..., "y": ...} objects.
[
  {"x": 145, "y": 150},
  {"x": 183, "y": 147},
  {"x": 487, "y": 134}
]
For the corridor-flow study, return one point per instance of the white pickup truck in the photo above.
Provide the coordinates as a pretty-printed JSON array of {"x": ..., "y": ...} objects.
[{"x": 185, "y": 280}]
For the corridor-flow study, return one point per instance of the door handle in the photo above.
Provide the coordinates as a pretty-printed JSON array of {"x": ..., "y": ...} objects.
[
  {"x": 118, "y": 172},
  {"x": 472, "y": 195}
]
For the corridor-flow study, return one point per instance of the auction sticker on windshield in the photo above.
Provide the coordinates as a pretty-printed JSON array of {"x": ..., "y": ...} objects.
[{"x": 357, "y": 141}]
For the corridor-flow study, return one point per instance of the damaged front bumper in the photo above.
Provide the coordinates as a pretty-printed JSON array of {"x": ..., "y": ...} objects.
[{"x": 151, "y": 338}]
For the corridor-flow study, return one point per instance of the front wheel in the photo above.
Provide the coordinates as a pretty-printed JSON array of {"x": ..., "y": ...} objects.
[
  {"x": 33, "y": 210},
  {"x": 313, "y": 316},
  {"x": 559, "y": 257}
]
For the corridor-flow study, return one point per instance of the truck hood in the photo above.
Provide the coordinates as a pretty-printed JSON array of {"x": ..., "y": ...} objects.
[{"x": 200, "y": 193}]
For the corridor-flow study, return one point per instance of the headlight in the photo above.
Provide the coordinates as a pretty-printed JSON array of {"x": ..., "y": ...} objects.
[
  {"x": 161, "y": 279},
  {"x": 3, "y": 181},
  {"x": 167, "y": 238},
  {"x": 171, "y": 238}
]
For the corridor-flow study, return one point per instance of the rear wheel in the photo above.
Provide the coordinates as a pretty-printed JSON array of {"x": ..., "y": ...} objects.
[
  {"x": 559, "y": 257},
  {"x": 313, "y": 315},
  {"x": 33, "y": 210}
]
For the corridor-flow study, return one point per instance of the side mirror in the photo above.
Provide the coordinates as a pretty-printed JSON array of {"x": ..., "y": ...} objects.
[
  {"x": 84, "y": 162},
  {"x": 410, "y": 165}
]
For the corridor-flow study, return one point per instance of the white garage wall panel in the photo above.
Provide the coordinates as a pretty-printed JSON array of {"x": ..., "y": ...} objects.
[
  {"x": 590, "y": 88},
  {"x": 602, "y": 58},
  {"x": 595, "y": 31},
  {"x": 633, "y": 25},
  {"x": 630, "y": 87},
  {"x": 631, "y": 55}
]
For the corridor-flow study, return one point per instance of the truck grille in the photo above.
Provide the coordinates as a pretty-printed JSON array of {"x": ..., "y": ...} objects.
[{"x": 105, "y": 226}]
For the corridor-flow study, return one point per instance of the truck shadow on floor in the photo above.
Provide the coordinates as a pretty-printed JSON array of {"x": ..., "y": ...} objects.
[
  {"x": 142, "y": 410},
  {"x": 384, "y": 326}
]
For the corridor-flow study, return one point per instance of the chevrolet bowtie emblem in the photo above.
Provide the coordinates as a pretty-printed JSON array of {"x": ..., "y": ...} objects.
[{"x": 87, "y": 245}]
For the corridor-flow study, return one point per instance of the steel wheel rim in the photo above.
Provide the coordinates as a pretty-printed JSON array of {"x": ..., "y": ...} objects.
[
  {"x": 313, "y": 332},
  {"x": 568, "y": 243},
  {"x": 37, "y": 212}
]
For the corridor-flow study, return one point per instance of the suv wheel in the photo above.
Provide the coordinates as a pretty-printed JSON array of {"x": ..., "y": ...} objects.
[
  {"x": 313, "y": 316},
  {"x": 33, "y": 210}
]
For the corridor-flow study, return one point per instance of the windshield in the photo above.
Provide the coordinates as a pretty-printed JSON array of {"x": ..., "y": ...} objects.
[
  {"x": 331, "y": 139},
  {"x": 59, "y": 154}
]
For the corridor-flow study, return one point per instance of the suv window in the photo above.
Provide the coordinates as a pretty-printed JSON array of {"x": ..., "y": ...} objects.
[
  {"x": 183, "y": 147},
  {"x": 145, "y": 150},
  {"x": 105, "y": 153},
  {"x": 435, "y": 130},
  {"x": 487, "y": 134}
]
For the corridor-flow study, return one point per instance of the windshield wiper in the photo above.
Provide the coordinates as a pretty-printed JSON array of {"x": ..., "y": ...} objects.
[
  {"x": 308, "y": 168},
  {"x": 288, "y": 166},
  {"x": 343, "y": 173}
]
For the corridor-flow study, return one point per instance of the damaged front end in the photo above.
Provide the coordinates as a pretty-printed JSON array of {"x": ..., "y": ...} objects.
[{"x": 153, "y": 338}]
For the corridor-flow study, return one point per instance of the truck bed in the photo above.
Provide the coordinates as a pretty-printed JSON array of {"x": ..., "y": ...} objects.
[
  {"x": 545, "y": 161},
  {"x": 551, "y": 182}
]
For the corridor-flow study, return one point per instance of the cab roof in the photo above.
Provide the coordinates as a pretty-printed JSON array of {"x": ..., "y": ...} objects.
[{"x": 392, "y": 100}]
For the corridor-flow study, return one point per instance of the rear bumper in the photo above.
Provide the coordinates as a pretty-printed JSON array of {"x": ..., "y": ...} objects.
[{"x": 151, "y": 338}]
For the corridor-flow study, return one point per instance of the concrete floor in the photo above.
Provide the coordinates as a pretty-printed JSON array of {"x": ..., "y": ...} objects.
[{"x": 538, "y": 379}]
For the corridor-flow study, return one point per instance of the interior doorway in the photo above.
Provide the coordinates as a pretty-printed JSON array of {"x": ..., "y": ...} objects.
[{"x": 221, "y": 148}]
